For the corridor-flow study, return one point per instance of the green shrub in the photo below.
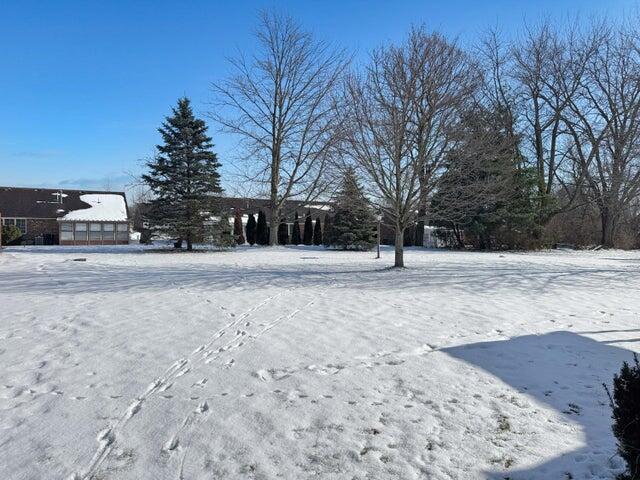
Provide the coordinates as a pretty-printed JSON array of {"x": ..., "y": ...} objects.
[
  {"x": 625, "y": 403},
  {"x": 10, "y": 233}
]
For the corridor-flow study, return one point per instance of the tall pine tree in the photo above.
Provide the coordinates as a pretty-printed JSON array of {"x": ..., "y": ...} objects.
[
  {"x": 183, "y": 177},
  {"x": 353, "y": 223},
  {"x": 317, "y": 232},
  {"x": 308, "y": 230},
  {"x": 251, "y": 230},
  {"x": 295, "y": 235}
]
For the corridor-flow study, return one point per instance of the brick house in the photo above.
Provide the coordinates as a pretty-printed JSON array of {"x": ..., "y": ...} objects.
[{"x": 65, "y": 217}]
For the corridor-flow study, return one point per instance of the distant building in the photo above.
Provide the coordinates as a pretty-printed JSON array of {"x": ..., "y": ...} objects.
[
  {"x": 65, "y": 217},
  {"x": 246, "y": 206}
]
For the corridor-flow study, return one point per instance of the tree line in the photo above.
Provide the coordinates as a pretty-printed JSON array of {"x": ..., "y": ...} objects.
[{"x": 507, "y": 143}]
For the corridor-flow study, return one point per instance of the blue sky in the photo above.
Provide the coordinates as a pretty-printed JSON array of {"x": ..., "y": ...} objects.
[{"x": 84, "y": 85}]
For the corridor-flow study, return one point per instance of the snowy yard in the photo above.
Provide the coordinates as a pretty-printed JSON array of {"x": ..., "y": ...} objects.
[{"x": 301, "y": 363}]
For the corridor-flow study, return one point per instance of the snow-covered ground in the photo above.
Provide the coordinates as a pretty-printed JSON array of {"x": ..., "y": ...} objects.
[{"x": 299, "y": 363}]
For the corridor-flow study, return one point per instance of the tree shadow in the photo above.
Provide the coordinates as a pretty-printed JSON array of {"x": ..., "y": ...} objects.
[
  {"x": 200, "y": 271},
  {"x": 564, "y": 371}
]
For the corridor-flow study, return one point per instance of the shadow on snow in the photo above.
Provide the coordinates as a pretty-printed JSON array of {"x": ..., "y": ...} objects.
[{"x": 564, "y": 371}]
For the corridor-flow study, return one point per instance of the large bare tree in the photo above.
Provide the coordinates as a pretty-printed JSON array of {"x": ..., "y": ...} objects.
[
  {"x": 280, "y": 103},
  {"x": 400, "y": 112},
  {"x": 604, "y": 123},
  {"x": 445, "y": 80},
  {"x": 380, "y": 107}
]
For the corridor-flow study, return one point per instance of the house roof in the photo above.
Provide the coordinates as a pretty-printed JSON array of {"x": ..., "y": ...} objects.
[
  {"x": 104, "y": 207},
  {"x": 254, "y": 205},
  {"x": 58, "y": 203}
]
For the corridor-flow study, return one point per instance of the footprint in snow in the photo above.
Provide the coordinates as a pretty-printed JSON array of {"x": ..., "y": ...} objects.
[
  {"x": 166, "y": 387},
  {"x": 134, "y": 408},
  {"x": 171, "y": 444},
  {"x": 229, "y": 363},
  {"x": 201, "y": 383}
]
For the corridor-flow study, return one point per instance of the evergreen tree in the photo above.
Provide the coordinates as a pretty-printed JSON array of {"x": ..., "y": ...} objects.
[
  {"x": 237, "y": 229},
  {"x": 353, "y": 224},
  {"x": 295, "y": 235},
  {"x": 183, "y": 177},
  {"x": 262, "y": 233},
  {"x": 283, "y": 233},
  {"x": 625, "y": 403},
  {"x": 308, "y": 230},
  {"x": 10, "y": 233},
  {"x": 251, "y": 229},
  {"x": 317, "y": 232},
  {"x": 486, "y": 194},
  {"x": 328, "y": 231},
  {"x": 221, "y": 233}
]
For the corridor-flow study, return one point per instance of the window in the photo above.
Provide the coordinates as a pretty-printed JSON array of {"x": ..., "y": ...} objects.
[
  {"x": 66, "y": 231},
  {"x": 123, "y": 231},
  {"x": 107, "y": 231},
  {"x": 21, "y": 223},
  {"x": 95, "y": 232},
  {"x": 81, "y": 231}
]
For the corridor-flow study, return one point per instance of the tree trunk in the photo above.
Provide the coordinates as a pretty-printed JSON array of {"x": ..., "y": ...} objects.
[
  {"x": 399, "y": 247},
  {"x": 273, "y": 227},
  {"x": 457, "y": 232},
  {"x": 189, "y": 242},
  {"x": 607, "y": 238}
]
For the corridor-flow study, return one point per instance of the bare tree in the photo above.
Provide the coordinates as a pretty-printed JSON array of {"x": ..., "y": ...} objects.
[
  {"x": 445, "y": 80},
  {"x": 604, "y": 123},
  {"x": 402, "y": 112},
  {"x": 379, "y": 136},
  {"x": 280, "y": 103},
  {"x": 534, "y": 78}
]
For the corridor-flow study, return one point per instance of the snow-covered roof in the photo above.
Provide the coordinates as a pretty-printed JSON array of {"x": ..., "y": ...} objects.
[{"x": 103, "y": 207}]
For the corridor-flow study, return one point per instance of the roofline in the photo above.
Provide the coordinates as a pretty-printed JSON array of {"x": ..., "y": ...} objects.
[
  {"x": 85, "y": 220},
  {"x": 79, "y": 190},
  {"x": 310, "y": 202}
]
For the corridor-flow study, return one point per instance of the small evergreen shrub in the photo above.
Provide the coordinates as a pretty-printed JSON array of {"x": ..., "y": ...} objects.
[
  {"x": 10, "y": 233},
  {"x": 221, "y": 233},
  {"x": 308, "y": 230},
  {"x": 353, "y": 226},
  {"x": 317, "y": 232},
  {"x": 251, "y": 230},
  {"x": 283, "y": 233},
  {"x": 237, "y": 229},
  {"x": 625, "y": 405},
  {"x": 295, "y": 235},
  {"x": 262, "y": 229}
]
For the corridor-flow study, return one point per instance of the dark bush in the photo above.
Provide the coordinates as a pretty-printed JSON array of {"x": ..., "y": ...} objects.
[{"x": 625, "y": 404}]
